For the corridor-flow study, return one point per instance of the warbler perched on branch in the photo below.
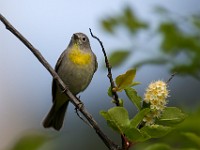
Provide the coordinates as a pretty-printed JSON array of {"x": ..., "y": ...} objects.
[{"x": 76, "y": 67}]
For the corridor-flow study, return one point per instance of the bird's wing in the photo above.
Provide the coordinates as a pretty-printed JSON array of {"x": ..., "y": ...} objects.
[{"x": 54, "y": 83}]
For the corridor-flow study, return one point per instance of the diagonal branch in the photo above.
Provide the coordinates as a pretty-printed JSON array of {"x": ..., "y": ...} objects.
[{"x": 111, "y": 145}]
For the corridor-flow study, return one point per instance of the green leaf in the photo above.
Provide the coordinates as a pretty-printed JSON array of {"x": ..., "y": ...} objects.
[
  {"x": 171, "y": 116},
  {"x": 30, "y": 141},
  {"x": 135, "y": 83},
  {"x": 127, "y": 20},
  {"x": 158, "y": 146},
  {"x": 193, "y": 137},
  {"x": 121, "y": 102},
  {"x": 109, "y": 92},
  {"x": 135, "y": 135},
  {"x": 118, "y": 57},
  {"x": 125, "y": 80},
  {"x": 156, "y": 131},
  {"x": 139, "y": 117},
  {"x": 117, "y": 118},
  {"x": 109, "y": 120},
  {"x": 120, "y": 116},
  {"x": 135, "y": 99}
]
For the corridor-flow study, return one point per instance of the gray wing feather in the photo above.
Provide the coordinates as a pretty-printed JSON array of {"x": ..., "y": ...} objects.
[{"x": 54, "y": 83}]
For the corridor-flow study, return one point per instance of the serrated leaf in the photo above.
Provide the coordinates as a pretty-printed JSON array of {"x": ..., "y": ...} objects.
[
  {"x": 135, "y": 135},
  {"x": 135, "y": 99},
  {"x": 117, "y": 57},
  {"x": 139, "y": 117},
  {"x": 125, "y": 80},
  {"x": 171, "y": 116},
  {"x": 117, "y": 118},
  {"x": 109, "y": 120},
  {"x": 120, "y": 116},
  {"x": 156, "y": 131},
  {"x": 158, "y": 146}
]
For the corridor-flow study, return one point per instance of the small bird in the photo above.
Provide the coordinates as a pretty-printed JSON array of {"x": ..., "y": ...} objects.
[{"x": 76, "y": 67}]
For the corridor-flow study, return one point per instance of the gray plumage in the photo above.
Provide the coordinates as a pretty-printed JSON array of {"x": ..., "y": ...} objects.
[{"x": 76, "y": 77}]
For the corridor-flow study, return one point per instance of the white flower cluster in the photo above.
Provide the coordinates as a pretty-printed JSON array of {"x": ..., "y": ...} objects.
[{"x": 155, "y": 95}]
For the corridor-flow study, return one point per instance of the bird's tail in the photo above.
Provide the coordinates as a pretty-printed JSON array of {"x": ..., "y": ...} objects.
[{"x": 55, "y": 117}]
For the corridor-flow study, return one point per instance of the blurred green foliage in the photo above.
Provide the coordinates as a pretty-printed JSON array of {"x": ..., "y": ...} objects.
[
  {"x": 118, "y": 57},
  {"x": 127, "y": 19},
  {"x": 193, "y": 138},
  {"x": 180, "y": 45},
  {"x": 30, "y": 141},
  {"x": 186, "y": 136},
  {"x": 159, "y": 146}
]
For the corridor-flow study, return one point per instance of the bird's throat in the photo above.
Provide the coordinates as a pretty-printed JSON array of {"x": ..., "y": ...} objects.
[{"x": 79, "y": 57}]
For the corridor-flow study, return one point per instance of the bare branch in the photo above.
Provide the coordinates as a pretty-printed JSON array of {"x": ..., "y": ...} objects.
[
  {"x": 125, "y": 142},
  {"x": 111, "y": 145},
  {"x": 171, "y": 77},
  {"x": 108, "y": 66}
]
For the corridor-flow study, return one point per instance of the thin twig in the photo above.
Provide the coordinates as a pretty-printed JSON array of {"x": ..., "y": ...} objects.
[
  {"x": 77, "y": 110},
  {"x": 114, "y": 93},
  {"x": 171, "y": 77},
  {"x": 108, "y": 66},
  {"x": 111, "y": 145},
  {"x": 86, "y": 122}
]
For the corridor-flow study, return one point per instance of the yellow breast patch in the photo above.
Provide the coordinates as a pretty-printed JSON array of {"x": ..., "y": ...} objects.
[{"x": 79, "y": 57}]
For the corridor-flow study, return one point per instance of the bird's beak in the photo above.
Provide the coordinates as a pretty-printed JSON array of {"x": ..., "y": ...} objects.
[{"x": 75, "y": 36}]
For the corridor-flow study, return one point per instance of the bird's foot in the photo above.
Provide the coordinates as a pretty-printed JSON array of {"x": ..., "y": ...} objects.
[{"x": 79, "y": 105}]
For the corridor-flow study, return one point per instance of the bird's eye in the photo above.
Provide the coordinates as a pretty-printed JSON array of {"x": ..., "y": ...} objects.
[{"x": 84, "y": 39}]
